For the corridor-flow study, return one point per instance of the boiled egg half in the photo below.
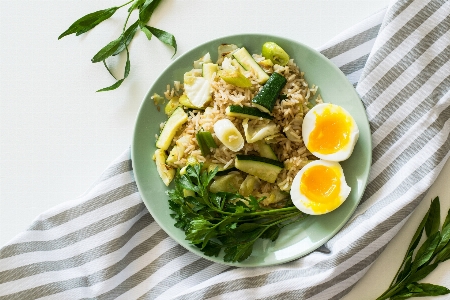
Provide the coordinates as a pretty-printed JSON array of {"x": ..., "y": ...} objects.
[
  {"x": 319, "y": 187},
  {"x": 329, "y": 132}
]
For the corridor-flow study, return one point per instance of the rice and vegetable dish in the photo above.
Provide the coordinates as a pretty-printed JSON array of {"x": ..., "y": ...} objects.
[{"x": 234, "y": 143}]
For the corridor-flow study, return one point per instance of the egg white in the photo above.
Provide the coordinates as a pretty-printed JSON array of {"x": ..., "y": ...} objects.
[
  {"x": 309, "y": 123},
  {"x": 306, "y": 205}
]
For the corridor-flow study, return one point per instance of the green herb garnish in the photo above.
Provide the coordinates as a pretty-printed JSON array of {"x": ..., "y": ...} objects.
[
  {"x": 224, "y": 221},
  {"x": 433, "y": 251},
  {"x": 146, "y": 9}
]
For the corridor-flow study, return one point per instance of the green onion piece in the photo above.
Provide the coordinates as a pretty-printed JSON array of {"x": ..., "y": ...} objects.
[
  {"x": 205, "y": 141},
  {"x": 209, "y": 140}
]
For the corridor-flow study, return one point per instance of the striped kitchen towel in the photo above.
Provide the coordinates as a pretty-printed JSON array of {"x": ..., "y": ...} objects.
[{"x": 105, "y": 245}]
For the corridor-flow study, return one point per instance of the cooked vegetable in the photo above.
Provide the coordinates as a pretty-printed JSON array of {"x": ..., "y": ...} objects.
[
  {"x": 250, "y": 184},
  {"x": 234, "y": 77},
  {"x": 267, "y": 96},
  {"x": 256, "y": 130},
  {"x": 208, "y": 70},
  {"x": 165, "y": 172},
  {"x": 265, "y": 150},
  {"x": 198, "y": 91},
  {"x": 225, "y": 50},
  {"x": 224, "y": 221},
  {"x": 228, "y": 183},
  {"x": 246, "y": 112},
  {"x": 261, "y": 167},
  {"x": 184, "y": 100},
  {"x": 198, "y": 64},
  {"x": 178, "y": 118},
  {"x": 229, "y": 135},
  {"x": 171, "y": 106},
  {"x": 205, "y": 141},
  {"x": 246, "y": 60},
  {"x": 275, "y": 53}
]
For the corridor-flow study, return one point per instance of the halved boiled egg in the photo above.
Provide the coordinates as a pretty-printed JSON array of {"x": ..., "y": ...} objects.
[
  {"x": 329, "y": 132},
  {"x": 319, "y": 187}
]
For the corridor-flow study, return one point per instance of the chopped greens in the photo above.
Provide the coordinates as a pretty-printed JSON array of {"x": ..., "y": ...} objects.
[{"x": 224, "y": 221}]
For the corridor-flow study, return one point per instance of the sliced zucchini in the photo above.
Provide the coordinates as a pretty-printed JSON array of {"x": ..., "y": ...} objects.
[
  {"x": 245, "y": 112},
  {"x": 246, "y": 60},
  {"x": 267, "y": 96},
  {"x": 171, "y": 106},
  {"x": 234, "y": 77},
  {"x": 165, "y": 172},
  {"x": 265, "y": 150},
  {"x": 184, "y": 100},
  {"x": 175, "y": 154},
  {"x": 208, "y": 70},
  {"x": 228, "y": 183},
  {"x": 178, "y": 118},
  {"x": 250, "y": 184},
  {"x": 264, "y": 168}
]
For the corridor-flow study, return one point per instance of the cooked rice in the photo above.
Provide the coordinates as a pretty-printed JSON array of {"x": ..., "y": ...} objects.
[{"x": 288, "y": 115}]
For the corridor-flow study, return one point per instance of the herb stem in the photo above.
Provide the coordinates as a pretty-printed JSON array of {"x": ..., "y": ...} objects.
[{"x": 125, "y": 4}]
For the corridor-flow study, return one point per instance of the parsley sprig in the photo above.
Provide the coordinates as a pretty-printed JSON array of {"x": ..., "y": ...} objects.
[
  {"x": 416, "y": 265},
  {"x": 224, "y": 221},
  {"x": 119, "y": 45}
]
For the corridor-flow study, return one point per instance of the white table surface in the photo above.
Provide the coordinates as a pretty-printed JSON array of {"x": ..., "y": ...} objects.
[{"x": 57, "y": 134}]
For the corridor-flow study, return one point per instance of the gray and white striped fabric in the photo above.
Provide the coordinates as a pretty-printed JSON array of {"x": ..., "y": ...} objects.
[{"x": 105, "y": 245}]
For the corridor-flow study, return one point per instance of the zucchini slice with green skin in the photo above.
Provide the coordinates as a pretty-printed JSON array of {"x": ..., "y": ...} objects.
[
  {"x": 165, "y": 172},
  {"x": 264, "y": 168},
  {"x": 268, "y": 95},
  {"x": 246, "y": 60},
  {"x": 245, "y": 112},
  {"x": 178, "y": 118},
  {"x": 265, "y": 150}
]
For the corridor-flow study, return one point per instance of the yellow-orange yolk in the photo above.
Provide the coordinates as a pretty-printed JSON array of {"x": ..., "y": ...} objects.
[
  {"x": 331, "y": 131},
  {"x": 321, "y": 185}
]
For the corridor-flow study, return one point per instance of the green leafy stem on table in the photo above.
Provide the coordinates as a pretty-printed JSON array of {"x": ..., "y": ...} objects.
[
  {"x": 146, "y": 9},
  {"x": 434, "y": 250},
  {"x": 228, "y": 221}
]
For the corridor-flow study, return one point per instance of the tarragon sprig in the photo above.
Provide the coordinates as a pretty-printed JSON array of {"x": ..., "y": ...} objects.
[
  {"x": 434, "y": 250},
  {"x": 146, "y": 9}
]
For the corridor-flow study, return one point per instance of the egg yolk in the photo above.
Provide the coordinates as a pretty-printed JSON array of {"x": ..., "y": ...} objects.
[
  {"x": 321, "y": 185},
  {"x": 331, "y": 131}
]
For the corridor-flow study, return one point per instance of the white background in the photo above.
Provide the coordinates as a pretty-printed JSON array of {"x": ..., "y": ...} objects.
[{"x": 57, "y": 134}]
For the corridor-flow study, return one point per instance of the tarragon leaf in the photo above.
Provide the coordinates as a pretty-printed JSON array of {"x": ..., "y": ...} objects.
[
  {"x": 146, "y": 31},
  {"x": 147, "y": 9},
  {"x": 119, "y": 82},
  {"x": 164, "y": 37},
  {"x": 434, "y": 217},
  {"x": 116, "y": 46},
  {"x": 89, "y": 21},
  {"x": 422, "y": 273},
  {"x": 426, "y": 251}
]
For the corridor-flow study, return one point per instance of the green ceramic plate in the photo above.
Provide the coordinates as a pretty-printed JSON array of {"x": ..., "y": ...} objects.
[{"x": 298, "y": 239}]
